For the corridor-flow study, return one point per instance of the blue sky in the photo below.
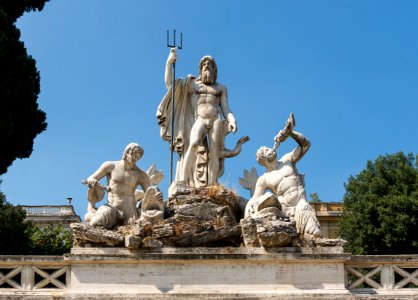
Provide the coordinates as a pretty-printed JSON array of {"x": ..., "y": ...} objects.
[{"x": 348, "y": 70}]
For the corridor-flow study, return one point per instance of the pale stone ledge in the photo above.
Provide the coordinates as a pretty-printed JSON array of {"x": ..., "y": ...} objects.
[{"x": 207, "y": 273}]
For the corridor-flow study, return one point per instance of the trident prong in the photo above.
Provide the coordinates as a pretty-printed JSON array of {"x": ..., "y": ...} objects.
[
  {"x": 173, "y": 79},
  {"x": 174, "y": 45}
]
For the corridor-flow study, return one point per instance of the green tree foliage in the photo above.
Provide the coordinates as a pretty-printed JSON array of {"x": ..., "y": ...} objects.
[
  {"x": 18, "y": 237},
  {"x": 314, "y": 197},
  {"x": 50, "y": 240},
  {"x": 20, "y": 118},
  {"x": 380, "y": 213},
  {"x": 14, "y": 232}
]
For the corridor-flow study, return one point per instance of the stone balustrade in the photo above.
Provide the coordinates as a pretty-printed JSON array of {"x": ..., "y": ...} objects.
[
  {"x": 57, "y": 210},
  {"x": 283, "y": 275},
  {"x": 33, "y": 273},
  {"x": 43, "y": 215},
  {"x": 382, "y": 273}
]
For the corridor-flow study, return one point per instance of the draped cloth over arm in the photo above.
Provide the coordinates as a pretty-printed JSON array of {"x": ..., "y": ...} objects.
[{"x": 184, "y": 117}]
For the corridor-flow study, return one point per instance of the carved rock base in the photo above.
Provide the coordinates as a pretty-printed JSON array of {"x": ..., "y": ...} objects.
[
  {"x": 87, "y": 235},
  {"x": 268, "y": 228},
  {"x": 204, "y": 217},
  {"x": 200, "y": 217}
]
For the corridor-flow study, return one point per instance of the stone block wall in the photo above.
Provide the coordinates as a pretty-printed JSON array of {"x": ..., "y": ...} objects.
[{"x": 207, "y": 273}]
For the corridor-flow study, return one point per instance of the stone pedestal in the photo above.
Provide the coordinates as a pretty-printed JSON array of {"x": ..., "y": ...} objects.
[
  {"x": 208, "y": 273},
  {"x": 201, "y": 273}
]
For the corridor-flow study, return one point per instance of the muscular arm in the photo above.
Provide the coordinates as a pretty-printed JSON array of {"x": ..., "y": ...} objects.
[
  {"x": 143, "y": 180},
  {"x": 260, "y": 187},
  {"x": 104, "y": 169},
  {"x": 168, "y": 74},
  {"x": 303, "y": 146},
  {"x": 232, "y": 125}
]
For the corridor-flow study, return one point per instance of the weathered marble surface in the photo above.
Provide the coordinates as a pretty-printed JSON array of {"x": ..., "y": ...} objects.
[
  {"x": 200, "y": 217},
  {"x": 123, "y": 178},
  {"x": 202, "y": 273},
  {"x": 206, "y": 273},
  {"x": 280, "y": 187},
  {"x": 206, "y": 216},
  {"x": 202, "y": 119},
  {"x": 269, "y": 228},
  {"x": 88, "y": 234}
]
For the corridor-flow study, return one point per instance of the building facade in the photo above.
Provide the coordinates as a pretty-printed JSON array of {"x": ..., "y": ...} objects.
[
  {"x": 42, "y": 215},
  {"x": 328, "y": 214}
]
